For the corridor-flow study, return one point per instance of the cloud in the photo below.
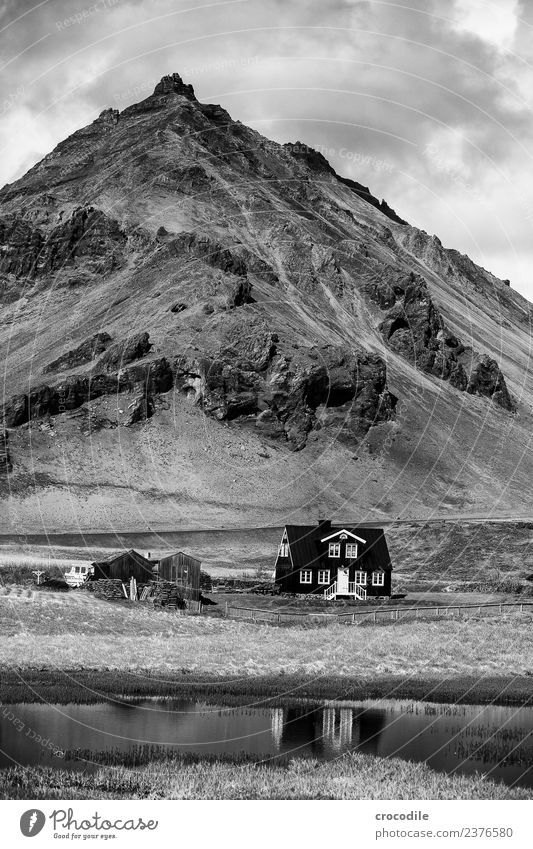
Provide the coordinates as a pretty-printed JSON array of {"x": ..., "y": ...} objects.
[
  {"x": 489, "y": 21},
  {"x": 428, "y": 102}
]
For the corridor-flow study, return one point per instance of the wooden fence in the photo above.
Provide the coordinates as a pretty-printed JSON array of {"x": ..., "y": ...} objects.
[{"x": 378, "y": 614}]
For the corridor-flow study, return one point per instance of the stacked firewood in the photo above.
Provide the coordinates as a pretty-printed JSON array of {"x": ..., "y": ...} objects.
[
  {"x": 109, "y": 589},
  {"x": 167, "y": 594}
]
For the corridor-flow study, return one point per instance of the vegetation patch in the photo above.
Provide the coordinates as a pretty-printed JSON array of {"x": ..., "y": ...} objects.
[
  {"x": 89, "y": 686},
  {"x": 186, "y": 777}
]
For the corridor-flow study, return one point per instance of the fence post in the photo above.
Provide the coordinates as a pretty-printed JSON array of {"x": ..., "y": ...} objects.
[
  {"x": 226, "y": 612},
  {"x": 375, "y": 616}
]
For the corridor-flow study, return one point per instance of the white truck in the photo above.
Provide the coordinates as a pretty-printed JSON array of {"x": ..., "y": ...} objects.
[{"x": 77, "y": 575}]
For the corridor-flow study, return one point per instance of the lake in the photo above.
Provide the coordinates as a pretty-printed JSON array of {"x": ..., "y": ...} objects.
[{"x": 496, "y": 741}]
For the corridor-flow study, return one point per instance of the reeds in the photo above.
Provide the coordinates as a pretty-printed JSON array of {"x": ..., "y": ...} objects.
[
  {"x": 355, "y": 776},
  {"x": 89, "y": 686}
]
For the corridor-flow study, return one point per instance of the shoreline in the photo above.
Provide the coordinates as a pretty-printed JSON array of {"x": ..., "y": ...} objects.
[{"x": 90, "y": 686}]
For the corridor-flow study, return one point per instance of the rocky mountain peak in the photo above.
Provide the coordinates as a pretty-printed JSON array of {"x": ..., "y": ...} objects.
[
  {"x": 173, "y": 84},
  {"x": 108, "y": 116},
  {"x": 166, "y": 273}
]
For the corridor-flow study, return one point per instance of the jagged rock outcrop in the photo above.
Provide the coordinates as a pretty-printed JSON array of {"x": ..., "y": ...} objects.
[
  {"x": 240, "y": 295},
  {"x": 114, "y": 356},
  {"x": 149, "y": 378},
  {"x": 486, "y": 379},
  {"x": 84, "y": 353},
  {"x": 317, "y": 162},
  {"x": 88, "y": 235},
  {"x": 108, "y": 116},
  {"x": 199, "y": 246},
  {"x": 173, "y": 84},
  {"x": 123, "y": 353},
  {"x": 140, "y": 410},
  {"x": 415, "y": 329},
  {"x": 288, "y": 395}
]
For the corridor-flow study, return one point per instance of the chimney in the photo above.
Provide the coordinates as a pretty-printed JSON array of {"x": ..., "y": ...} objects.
[{"x": 324, "y": 525}]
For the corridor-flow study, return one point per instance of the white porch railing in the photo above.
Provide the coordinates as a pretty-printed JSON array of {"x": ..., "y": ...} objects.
[
  {"x": 357, "y": 590},
  {"x": 353, "y": 589},
  {"x": 331, "y": 592}
]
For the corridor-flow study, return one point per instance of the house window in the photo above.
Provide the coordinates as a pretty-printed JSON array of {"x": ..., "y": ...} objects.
[
  {"x": 76, "y": 568},
  {"x": 334, "y": 549},
  {"x": 351, "y": 550},
  {"x": 306, "y": 576},
  {"x": 284, "y": 549},
  {"x": 378, "y": 579},
  {"x": 360, "y": 578},
  {"x": 323, "y": 576}
]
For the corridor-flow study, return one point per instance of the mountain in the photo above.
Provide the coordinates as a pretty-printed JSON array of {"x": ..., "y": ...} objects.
[{"x": 203, "y": 327}]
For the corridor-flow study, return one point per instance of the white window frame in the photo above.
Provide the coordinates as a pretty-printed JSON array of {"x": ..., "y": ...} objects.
[
  {"x": 360, "y": 578},
  {"x": 378, "y": 579},
  {"x": 351, "y": 546},
  {"x": 306, "y": 576},
  {"x": 334, "y": 549},
  {"x": 322, "y": 572},
  {"x": 284, "y": 549}
]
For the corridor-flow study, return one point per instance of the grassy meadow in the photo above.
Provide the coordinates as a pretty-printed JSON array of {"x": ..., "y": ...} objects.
[
  {"x": 74, "y": 630},
  {"x": 353, "y": 777}
]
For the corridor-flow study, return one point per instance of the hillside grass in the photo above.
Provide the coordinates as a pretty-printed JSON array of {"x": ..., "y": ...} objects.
[
  {"x": 451, "y": 554},
  {"x": 74, "y": 630},
  {"x": 352, "y": 777}
]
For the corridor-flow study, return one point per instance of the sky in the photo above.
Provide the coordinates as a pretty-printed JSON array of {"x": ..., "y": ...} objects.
[{"x": 428, "y": 102}]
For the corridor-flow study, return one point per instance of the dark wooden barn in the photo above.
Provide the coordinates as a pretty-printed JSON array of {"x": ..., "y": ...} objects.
[
  {"x": 126, "y": 565},
  {"x": 183, "y": 570},
  {"x": 334, "y": 561}
]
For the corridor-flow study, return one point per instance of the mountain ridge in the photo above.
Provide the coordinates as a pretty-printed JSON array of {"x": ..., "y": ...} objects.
[{"x": 211, "y": 278}]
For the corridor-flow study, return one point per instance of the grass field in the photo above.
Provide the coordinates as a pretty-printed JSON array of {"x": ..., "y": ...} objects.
[
  {"x": 74, "y": 630},
  {"x": 352, "y": 777}
]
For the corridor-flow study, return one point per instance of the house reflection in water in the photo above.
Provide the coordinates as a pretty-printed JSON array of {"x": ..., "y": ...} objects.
[{"x": 326, "y": 731}]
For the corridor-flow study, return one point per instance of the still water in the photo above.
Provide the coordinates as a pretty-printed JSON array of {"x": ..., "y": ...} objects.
[{"x": 496, "y": 741}]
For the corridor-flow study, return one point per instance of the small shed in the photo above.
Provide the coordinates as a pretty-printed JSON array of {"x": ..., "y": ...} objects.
[
  {"x": 183, "y": 570},
  {"x": 125, "y": 565}
]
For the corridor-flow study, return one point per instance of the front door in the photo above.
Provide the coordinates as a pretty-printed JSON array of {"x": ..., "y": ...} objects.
[{"x": 342, "y": 580}]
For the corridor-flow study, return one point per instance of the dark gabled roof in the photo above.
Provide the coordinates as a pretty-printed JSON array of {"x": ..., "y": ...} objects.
[
  {"x": 183, "y": 553},
  {"x": 135, "y": 555},
  {"x": 305, "y": 550}
]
